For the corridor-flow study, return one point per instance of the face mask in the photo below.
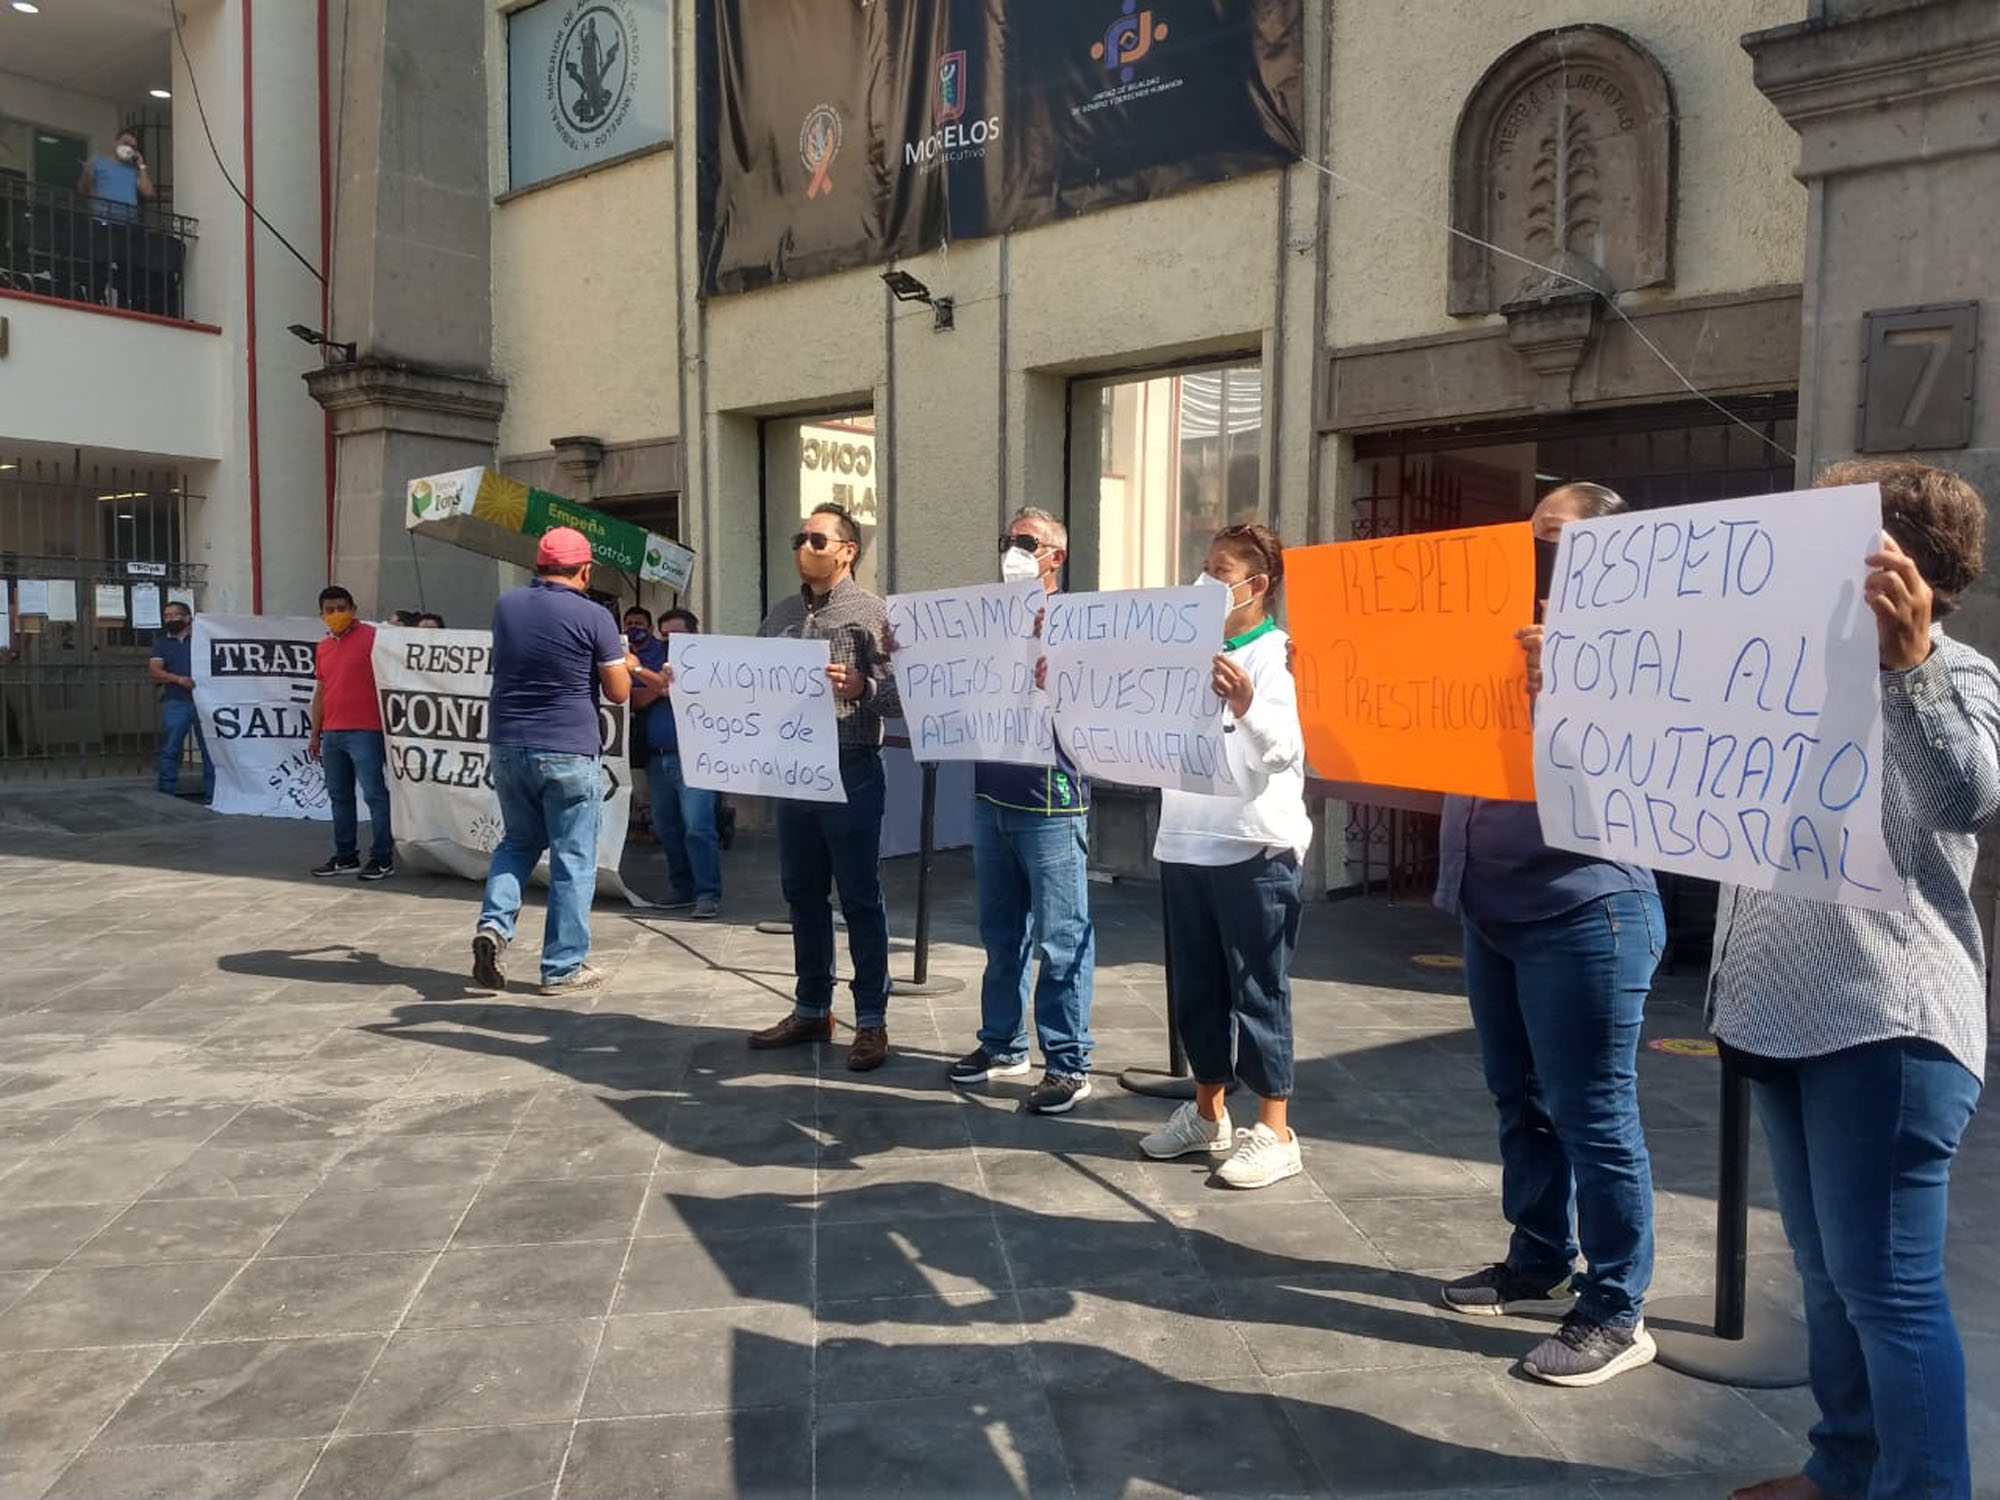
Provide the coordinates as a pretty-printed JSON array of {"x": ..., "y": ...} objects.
[
  {"x": 638, "y": 635},
  {"x": 1017, "y": 566},
  {"x": 128, "y": 153},
  {"x": 178, "y": 627},
  {"x": 1545, "y": 573},
  {"x": 1209, "y": 580},
  {"x": 337, "y": 620}
]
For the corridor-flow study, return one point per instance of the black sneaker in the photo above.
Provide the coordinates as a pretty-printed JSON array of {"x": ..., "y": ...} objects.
[
  {"x": 1583, "y": 1353},
  {"x": 340, "y": 864},
  {"x": 1493, "y": 1291},
  {"x": 488, "y": 949},
  {"x": 978, "y": 1065},
  {"x": 1057, "y": 1093},
  {"x": 378, "y": 869}
]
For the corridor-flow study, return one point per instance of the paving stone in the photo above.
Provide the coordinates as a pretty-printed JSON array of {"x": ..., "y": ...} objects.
[
  {"x": 969, "y": 1447},
  {"x": 36, "y": 1238},
  {"x": 251, "y": 1171},
  {"x": 106, "y": 1305},
  {"x": 545, "y": 1155},
  {"x": 484, "y": 1463},
  {"x": 925, "y": 1257},
  {"x": 439, "y": 1378},
  {"x": 316, "y": 1295},
  {"x": 93, "y": 1174},
  {"x": 1175, "y": 1326},
  {"x": 542, "y": 1213},
  {"x": 415, "y": 1161},
  {"x": 244, "y": 1392},
  {"x": 214, "y": 1471},
  {"x": 659, "y": 1364},
  {"x": 54, "y": 1400},
  {"x": 332, "y": 1222},
  {"x": 518, "y": 1284},
  {"x": 684, "y": 1273},
  {"x": 757, "y": 1455},
  {"x": 169, "y": 1229},
  {"x": 907, "y": 1347}
]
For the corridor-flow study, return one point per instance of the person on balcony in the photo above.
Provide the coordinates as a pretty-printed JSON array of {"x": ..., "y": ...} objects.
[{"x": 117, "y": 182}]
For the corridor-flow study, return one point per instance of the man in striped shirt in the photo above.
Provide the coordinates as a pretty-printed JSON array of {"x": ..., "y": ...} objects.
[
  {"x": 822, "y": 844},
  {"x": 1865, "y": 1032}
]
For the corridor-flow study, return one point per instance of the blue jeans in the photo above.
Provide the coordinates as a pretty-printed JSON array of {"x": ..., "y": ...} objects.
[
  {"x": 1034, "y": 902},
  {"x": 177, "y": 718},
  {"x": 549, "y": 800},
  {"x": 1861, "y": 1147},
  {"x": 684, "y": 823},
  {"x": 1558, "y": 1005},
  {"x": 1231, "y": 934},
  {"x": 839, "y": 844},
  {"x": 347, "y": 756}
]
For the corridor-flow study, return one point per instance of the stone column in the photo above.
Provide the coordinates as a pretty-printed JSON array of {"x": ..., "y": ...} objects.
[
  {"x": 412, "y": 290},
  {"x": 1897, "y": 106}
]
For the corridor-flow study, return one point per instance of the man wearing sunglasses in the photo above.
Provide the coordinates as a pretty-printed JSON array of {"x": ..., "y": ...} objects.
[
  {"x": 822, "y": 844},
  {"x": 1030, "y": 850}
]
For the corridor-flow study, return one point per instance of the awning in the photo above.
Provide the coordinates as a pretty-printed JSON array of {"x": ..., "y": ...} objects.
[{"x": 488, "y": 513}]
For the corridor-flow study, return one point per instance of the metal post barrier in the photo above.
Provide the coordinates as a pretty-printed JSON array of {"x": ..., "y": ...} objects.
[
  {"x": 1177, "y": 1082},
  {"x": 920, "y": 982},
  {"x": 1729, "y": 1341}
]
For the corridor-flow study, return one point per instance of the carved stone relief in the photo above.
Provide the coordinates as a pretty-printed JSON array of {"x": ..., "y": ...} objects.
[{"x": 1564, "y": 156}]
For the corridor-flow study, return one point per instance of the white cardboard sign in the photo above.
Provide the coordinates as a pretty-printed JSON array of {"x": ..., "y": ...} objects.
[
  {"x": 965, "y": 668},
  {"x": 755, "y": 715},
  {"x": 1131, "y": 674},
  {"x": 1711, "y": 703},
  {"x": 253, "y": 687}
]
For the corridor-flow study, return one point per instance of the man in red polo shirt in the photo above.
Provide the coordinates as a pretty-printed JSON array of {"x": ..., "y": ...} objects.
[{"x": 347, "y": 739}]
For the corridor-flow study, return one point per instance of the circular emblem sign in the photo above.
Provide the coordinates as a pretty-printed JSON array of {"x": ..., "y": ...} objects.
[
  {"x": 590, "y": 71},
  {"x": 819, "y": 144}
]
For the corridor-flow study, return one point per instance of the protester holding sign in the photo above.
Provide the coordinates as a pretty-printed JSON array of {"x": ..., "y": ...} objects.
[
  {"x": 347, "y": 739},
  {"x": 1229, "y": 878},
  {"x": 822, "y": 844},
  {"x": 1560, "y": 950},
  {"x": 554, "y": 650},
  {"x": 1864, "y": 1031},
  {"x": 1030, "y": 852}
]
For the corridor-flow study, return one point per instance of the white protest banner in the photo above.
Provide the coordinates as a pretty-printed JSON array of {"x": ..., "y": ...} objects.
[
  {"x": 965, "y": 668},
  {"x": 1710, "y": 701},
  {"x": 253, "y": 687},
  {"x": 1131, "y": 675},
  {"x": 756, "y": 716},
  {"x": 434, "y": 686},
  {"x": 145, "y": 606}
]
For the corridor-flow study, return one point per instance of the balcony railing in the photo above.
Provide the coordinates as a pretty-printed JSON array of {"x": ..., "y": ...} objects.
[{"x": 56, "y": 243}]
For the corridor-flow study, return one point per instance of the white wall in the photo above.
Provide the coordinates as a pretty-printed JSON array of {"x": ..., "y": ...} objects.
[
  {"x": 75, "y": 114},
  {"x": 96, "y": 380}
]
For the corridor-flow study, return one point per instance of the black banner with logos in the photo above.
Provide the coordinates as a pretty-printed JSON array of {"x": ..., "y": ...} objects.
[{"x": 840, "y": 133}]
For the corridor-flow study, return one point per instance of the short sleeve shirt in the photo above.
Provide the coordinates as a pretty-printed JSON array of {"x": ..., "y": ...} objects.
[
  {"x": 346, "y": 665},
  {"x": 177, "y": 657},
  {"x": 548, "y": 642}
]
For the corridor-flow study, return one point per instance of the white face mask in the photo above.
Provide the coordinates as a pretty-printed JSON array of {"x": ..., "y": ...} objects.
[
  {"x": 128, "y": 153},
  {"x": 1017, "y": 566}
]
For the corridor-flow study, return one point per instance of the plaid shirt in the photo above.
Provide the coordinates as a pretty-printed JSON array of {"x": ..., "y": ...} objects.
[
  {"x": 854, "y": 623},
  {"x": 1796, "y": 979}
]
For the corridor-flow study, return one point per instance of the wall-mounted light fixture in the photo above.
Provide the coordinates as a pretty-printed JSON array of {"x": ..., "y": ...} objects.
[
  {"x": 906, "y": 288},
  {"x": 319, "y": 340}
]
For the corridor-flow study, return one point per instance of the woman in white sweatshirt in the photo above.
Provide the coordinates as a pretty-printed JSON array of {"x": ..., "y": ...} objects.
[{"x": 1229, "y": 872}]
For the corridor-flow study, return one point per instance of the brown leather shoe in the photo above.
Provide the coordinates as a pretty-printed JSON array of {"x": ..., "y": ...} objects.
[
  {"x": 870, "y": 1049},
  {"x": 793, "y": 1031},
  {"x": 1791, "y": 1487}
]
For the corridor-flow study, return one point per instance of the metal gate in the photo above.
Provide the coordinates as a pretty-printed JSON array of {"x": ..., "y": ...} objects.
[{"x": 89, "y": 551}]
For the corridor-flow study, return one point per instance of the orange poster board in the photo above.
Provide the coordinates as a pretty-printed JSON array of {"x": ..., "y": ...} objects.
[{"x": 1408, "y": 671}]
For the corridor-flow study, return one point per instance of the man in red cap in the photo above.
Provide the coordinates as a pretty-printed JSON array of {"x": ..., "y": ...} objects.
[{"x": 554, "y": 650}]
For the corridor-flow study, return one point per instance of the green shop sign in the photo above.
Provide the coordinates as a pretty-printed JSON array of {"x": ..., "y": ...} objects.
[{"x": 493, "y": 515}]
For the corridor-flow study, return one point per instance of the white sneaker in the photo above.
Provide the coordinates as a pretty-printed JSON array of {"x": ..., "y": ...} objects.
[
  {"x": 1187, "y": 1132},
  {"x": 1260, "y": 1159}
]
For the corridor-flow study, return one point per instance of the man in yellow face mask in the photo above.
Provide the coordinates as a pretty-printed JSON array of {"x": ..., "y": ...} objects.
[{"x": 347, "y": 739}]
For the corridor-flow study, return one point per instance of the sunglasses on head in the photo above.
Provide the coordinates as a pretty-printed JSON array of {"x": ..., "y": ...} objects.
[{"x": 1020, "y": 541}]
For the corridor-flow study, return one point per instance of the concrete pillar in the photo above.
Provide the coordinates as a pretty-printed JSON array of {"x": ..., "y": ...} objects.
[
  {"x": 1897, "y": 106},
  {"x": 412, "y": 290}
]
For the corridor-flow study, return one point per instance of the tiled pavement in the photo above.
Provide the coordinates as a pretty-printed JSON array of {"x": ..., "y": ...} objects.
[{"x": 287, "y": 1210}]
